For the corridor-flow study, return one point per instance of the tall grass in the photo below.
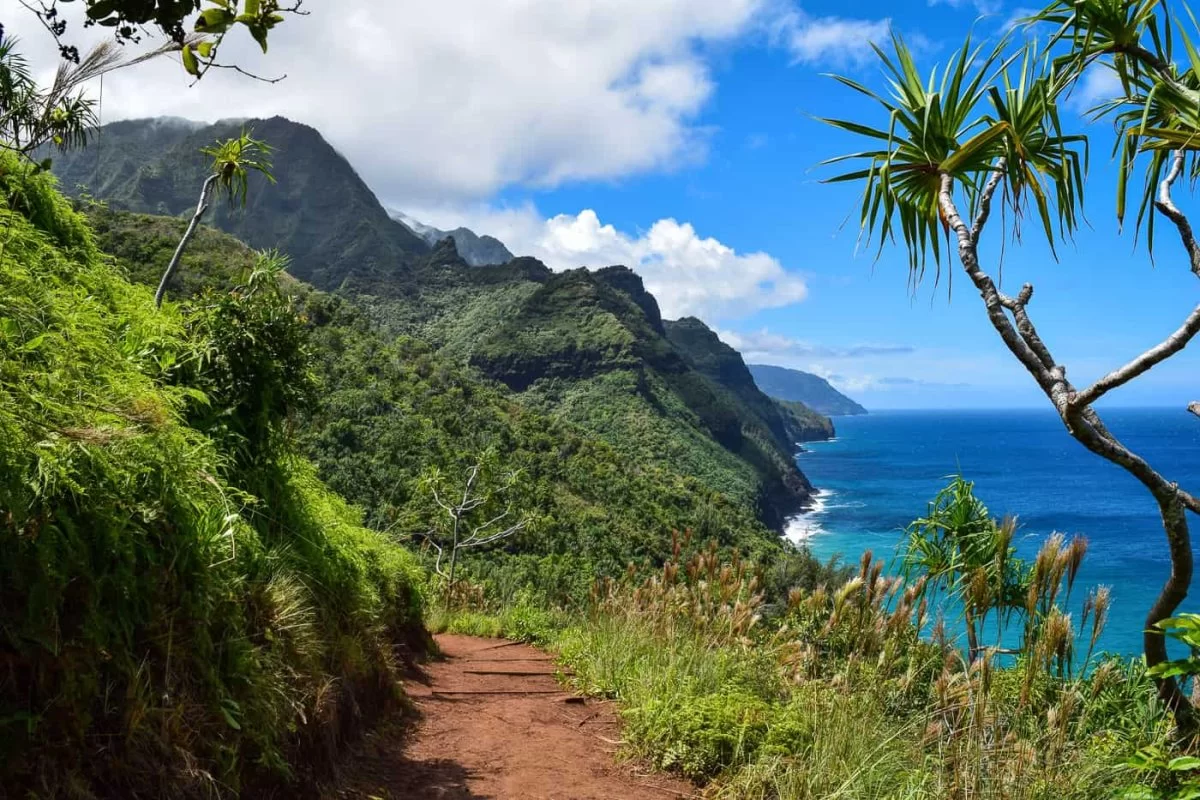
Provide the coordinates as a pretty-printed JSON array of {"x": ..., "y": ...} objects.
[
  {"x": 843, "y": 698},
  {"x": 185, "y": 610},
  {"x": 840, "y": 695}
]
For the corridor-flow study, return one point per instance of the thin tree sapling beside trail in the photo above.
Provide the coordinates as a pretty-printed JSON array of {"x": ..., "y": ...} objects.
[
  {"x": 476, "y": 513},
  {"x": 987, "y": 130},
  {"x": 233, "y": 160}
]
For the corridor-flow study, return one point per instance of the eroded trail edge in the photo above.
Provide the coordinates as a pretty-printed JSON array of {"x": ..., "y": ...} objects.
[{"x": 495, "y": 723}]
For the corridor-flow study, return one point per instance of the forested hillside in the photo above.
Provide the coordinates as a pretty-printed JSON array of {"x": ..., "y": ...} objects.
[
  {"x": 586, "y": 348},
  {"x": 184, "y": 605},
  {"x": 391, "y": 409}
]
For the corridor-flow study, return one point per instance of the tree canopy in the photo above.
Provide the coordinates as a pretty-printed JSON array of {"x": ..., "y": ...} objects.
[{"x": 198, "y": 31}]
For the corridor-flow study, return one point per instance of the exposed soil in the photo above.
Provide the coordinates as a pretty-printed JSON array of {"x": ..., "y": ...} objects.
[{"x": 495, "y": 723}]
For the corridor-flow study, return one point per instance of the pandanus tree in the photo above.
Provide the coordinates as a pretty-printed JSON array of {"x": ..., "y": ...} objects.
[
  {"x": 232, "y": 162},
  {"x": 961, "y": 551},
  {"x": 986, "y": 131}
]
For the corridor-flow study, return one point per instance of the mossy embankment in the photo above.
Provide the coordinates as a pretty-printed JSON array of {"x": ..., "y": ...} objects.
[{"x": 184, "y": 606}]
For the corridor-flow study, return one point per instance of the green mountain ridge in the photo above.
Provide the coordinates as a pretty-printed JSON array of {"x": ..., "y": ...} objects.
[
  {"x": 811, "y": 390},
  {"x": 392, "y": 408},
  {"x": 588, "y": 348},
  {"x": 319, "y": 211}
]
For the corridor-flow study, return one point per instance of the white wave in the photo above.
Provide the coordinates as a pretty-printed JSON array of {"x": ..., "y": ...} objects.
[{"x": 807, "y": 525}]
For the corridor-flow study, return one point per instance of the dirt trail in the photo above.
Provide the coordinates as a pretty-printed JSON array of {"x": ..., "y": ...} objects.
[{"x": 494, "y": 723}]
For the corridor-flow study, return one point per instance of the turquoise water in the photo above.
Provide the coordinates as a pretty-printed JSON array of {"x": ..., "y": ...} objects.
[{"x": 883, "y": 468}]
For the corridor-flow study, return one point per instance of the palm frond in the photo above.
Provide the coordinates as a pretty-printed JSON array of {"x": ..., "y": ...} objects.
[{"x": 981, "y": 108}]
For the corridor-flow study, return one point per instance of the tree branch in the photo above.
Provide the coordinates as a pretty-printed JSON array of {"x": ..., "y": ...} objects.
[
  {"x": 1051, "y": 382},
  {"x": 201, "y": 208},
  {"x": 1167, "y": 207},
  {"x": 504, "y": 534},
  {"x": 1178, "y": 340},
  {"x": 1027, "y": 330},
  {"x": 1173, "y": 344},
  {"x": 985, "y": 201}
]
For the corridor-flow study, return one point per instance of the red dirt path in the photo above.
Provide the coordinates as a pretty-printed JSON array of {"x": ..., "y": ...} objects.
[{"x": 503, "y": 736}]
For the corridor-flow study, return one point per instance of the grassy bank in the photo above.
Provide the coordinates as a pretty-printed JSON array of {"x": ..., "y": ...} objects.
[
  {"x": 185, "y": 609},
  {"x": 837, "y": 696}
]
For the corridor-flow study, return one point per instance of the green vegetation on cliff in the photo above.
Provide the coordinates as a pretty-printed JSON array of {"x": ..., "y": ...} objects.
[
  {"x": 803, "y": 424},
  {"x": 803, "y": 387},
  {"x": 586, "y": 348},
  {"x": 390, "y": 409},
  {"x": 183, "y": 604}
]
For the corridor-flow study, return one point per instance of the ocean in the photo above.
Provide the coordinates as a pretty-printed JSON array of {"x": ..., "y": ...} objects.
[{"x": 883, "y": 468}]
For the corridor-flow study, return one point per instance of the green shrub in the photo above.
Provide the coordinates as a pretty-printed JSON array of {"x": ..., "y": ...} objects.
[{"x": 184, "y": 607}]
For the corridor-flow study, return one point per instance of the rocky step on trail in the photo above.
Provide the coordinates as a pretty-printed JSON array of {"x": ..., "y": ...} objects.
[{"x": 495, "y": 723}]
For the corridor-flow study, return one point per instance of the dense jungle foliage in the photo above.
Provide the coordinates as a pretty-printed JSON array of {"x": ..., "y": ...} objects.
[
  {"x": 588, "y": 348},
  {"x": 391, "y": 410},
  {"x": 185, "y": 608}
]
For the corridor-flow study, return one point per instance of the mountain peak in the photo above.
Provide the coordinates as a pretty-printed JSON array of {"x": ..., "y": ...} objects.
[
  {"x": 319, "y": 212},
  {"x": 476, "y": 250},
  {"x": 625, "y": 280}
]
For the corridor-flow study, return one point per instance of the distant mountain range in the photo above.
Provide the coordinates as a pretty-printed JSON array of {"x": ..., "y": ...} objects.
[
  {"x": 804, "y": 387},
  {"x": 588, "y": 348},
  {"x": 476, "y": 250}
]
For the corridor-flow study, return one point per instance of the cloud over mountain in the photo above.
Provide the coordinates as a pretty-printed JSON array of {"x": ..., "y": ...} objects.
[
  {"x": 689, "y": 274},
  {"x": 457, "y": 100}
]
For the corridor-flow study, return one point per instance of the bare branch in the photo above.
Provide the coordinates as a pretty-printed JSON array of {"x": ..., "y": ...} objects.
[
  {"x": 429, "y": 540},
  {"x": 240, "y": 71},
  {"x": 479, "y": 529},
  {"x": 1167, "y": 206},
  {"x": 1050, "y": 381},
  {"x": 1028, "y": 332},
  {"x": 438, "y": 499},
  {"x": 1173, "y": 344},
  {"x": 504, "y": 534},
  {"x": 1178, "y": 340}
]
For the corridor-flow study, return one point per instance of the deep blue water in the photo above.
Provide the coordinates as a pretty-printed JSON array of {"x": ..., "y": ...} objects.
[{"x": 883, "y": 469}]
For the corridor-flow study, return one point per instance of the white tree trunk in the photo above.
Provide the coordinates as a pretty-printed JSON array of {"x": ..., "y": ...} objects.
[{"x": 201, "y": 208}]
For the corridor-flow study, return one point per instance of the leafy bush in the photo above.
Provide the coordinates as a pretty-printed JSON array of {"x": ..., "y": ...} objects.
[{"x": 183, "y": 604}]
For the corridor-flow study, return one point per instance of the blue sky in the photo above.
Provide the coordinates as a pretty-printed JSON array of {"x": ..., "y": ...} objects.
[
  {"x": 678, "y": 137},
  {"x": 759, "y": 189}
]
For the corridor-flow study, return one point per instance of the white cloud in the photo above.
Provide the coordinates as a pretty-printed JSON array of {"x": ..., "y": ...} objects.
[
  {"x": 1099, "y": 83},
  {"x": 453, "y": 101},
  {"x": 982, "y": 6},
  {"x": 689, "y": 274},
  {"x": 869, "y": 369},
  {"x": 767, "y": 345},
  {"x": 836, "y": 40}
]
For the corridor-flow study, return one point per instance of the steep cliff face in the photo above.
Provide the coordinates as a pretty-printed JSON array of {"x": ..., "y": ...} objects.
[
  {"x": 708, "y": 355},
  {"x": 319, "y": 211},
  {"x": 803, "y": 387},
  {"x": 592, "y": 346},
  {"x": 586, "y": 347}
]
